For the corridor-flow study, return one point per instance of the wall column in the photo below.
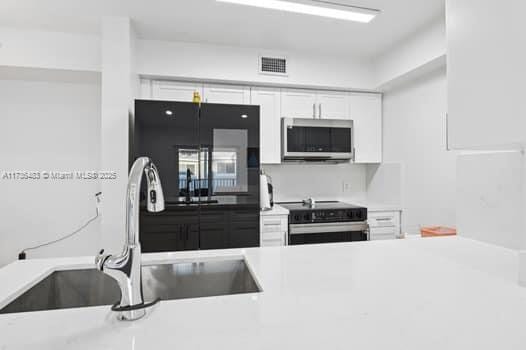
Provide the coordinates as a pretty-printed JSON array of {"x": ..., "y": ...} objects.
[{"x": 119, "y": 86}]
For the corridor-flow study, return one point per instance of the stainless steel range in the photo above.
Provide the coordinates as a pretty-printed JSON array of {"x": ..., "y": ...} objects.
[{"x": 313, "y": 222}]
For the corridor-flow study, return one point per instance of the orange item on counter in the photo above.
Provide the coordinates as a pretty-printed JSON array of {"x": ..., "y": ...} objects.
[{"x": 437, "y": 231}]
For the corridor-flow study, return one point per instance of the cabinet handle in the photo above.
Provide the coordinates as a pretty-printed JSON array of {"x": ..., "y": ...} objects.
[
  {"x": 314, "y": 110},
  {"x": 272, "y": 223},
  {"x": 354, "y": 154},
  {"x": 319, "y": 108}
]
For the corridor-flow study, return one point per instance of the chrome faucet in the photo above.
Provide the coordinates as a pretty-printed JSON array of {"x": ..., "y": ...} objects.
[{"x": 126, "y": 268}]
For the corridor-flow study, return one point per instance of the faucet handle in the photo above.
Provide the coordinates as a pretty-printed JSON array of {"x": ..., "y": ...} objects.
[{"x": 100, "y": 259}]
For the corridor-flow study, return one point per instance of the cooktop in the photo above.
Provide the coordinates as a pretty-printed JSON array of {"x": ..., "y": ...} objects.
[{"x": 322, "y": 205}]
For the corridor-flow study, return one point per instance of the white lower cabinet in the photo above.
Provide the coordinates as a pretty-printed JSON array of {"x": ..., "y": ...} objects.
[
  {"x": 384, "y": 225},
  {"x": 274, "y": 230}
]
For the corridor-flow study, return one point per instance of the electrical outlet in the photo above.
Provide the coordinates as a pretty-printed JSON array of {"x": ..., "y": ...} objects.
[{"x": 346, "y": 186}]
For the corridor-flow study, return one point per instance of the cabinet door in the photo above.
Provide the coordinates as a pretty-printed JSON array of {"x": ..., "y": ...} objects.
[
  {"x": 333, "y": 105},
  {"x": 485, "y": 73},
  {"x": 244, "y": 228},
  {"x": 236, "y": 95},
  {"x": 170, "y": 230},
  {"x": 190, "y": 235},
  {"x": 269, "y": 102},
  {"x": 145, "y": 89},
  {"x": 175, "y": 91},
  {"x": 366, "y": 112},
  {"x": 298, "y": 104},
  {"x": 213, "y": 229}
]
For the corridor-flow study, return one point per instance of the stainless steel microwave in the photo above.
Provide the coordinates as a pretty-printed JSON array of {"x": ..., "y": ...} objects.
[{"x": 317, "y": 139}]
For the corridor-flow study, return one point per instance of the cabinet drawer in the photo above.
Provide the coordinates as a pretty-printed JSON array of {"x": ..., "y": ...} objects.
[
  {"x": 383, "y": 219},
  {"x": 382, "y": 237},
  {"x": 383, "y": 230},
  {"x": 273, "y": 239},
  {"x": 245, "y": 216},
  {"x": 272, "y": 243},
  {"x": 273, "y": 235},
  {"x": 274, "y": 224},
  {"x": 380, "y": 233}
]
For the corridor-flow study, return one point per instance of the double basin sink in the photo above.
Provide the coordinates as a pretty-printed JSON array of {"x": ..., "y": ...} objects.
[{"x": 90, "y": 287}]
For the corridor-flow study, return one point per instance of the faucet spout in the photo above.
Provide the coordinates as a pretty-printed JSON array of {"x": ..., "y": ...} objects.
[{"x": 126, "y": 268}]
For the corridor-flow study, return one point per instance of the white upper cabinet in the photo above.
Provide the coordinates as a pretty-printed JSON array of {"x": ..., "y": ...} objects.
[
  {"x": 145, "y": 89},
  {"x": 486, "y": 72},
  {"x": 298, "y": 104},
  {"x": 269, "y": 100},
  {"x": 237, "y": 95},
  {"x": 175, "y": 91},
  {"x": 366, "y": 112},
  {"x": 314, "y": 104},
  {"x": 333, "y": 105}
]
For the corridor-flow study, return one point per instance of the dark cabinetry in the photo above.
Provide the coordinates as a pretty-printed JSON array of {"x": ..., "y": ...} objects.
[
  {"x": 169, "y": 231},
  {"x": 212, "y": 228},
  {"x": 234, "y": 228},
  {"x": 205, "y": 153}
]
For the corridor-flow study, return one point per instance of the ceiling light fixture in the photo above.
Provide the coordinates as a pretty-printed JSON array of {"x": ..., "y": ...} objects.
[
  {"x": 168, "y": 112},
  {"x": 323, "y": 8}
]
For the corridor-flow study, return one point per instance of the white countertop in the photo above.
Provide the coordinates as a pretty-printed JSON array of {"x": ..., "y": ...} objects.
[
  {"x": 276, "y": 210},
  {"x": 373, "y": 206},
  {"x": 433, "y": 294}
]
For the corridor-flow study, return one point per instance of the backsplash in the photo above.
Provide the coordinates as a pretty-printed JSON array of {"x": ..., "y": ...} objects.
[{"x": 296, "y": 181}]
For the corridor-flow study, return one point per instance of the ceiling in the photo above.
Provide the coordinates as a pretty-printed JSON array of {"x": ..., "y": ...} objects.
[{"x": 208, "y": 21}]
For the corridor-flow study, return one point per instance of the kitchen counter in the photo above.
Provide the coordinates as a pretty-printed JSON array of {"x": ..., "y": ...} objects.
[
  {"x": 447, "y": 293},
  {"x": 235, "y": 201},
  {"x": 372, "y": 206},
  {"x": 276, "y": 210}
]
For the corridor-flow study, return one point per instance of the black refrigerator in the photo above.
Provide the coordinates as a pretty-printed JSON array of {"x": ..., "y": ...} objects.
[{"x": 208, "y": 161}]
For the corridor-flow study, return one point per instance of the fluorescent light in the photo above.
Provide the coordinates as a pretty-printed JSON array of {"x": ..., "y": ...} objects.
[{"x": 323, "y": 8}]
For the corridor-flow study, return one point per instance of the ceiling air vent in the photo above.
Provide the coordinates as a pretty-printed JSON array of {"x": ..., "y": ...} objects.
[{"x": 273, "y": 65}]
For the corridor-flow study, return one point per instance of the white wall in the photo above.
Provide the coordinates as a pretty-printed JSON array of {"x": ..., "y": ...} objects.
[
  {"x": 293, "y": 182},
  {"x": 490, "y": 200},
  {"x": 119, "y": 86},
  {"x": 426, "y": 46},
  {"x": 48, "y": 125},
  {"x": 51, "y": 50},
  {"x": 223, "y": 63},
  {"x": 414, "y": 136}
]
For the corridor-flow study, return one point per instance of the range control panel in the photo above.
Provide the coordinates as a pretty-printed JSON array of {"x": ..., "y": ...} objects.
[{"x": 327, "y": 215}]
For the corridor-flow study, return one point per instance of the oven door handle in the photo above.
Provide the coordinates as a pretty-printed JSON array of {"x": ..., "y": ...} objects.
[{"x": 302, "y": 229}]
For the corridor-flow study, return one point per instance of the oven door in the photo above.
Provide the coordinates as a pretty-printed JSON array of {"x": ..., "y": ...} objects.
[
  {"x": 328, "y": 233},
  {"x": 317, "y": 139}
]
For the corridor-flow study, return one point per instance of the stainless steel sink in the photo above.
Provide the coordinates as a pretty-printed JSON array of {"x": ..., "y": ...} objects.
[{"x": 90, "y": 287}]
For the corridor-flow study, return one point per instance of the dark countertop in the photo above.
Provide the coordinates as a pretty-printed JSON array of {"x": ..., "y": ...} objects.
[{"x": 235, "y": 201}]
